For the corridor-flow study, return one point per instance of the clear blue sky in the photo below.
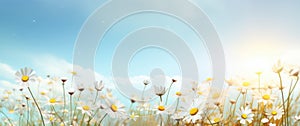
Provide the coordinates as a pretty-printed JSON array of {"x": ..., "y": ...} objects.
[{"x": 33, "y": 30}]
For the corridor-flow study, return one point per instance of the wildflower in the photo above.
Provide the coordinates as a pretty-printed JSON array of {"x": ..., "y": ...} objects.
[
  {"x": 272, "y": 124},
  {"x": 52, "y": 101},
  {"x": 297, "y": 118},
  {"x": 99, "y": 85},
  {"x": 86, "y": 108},
  {"x": 146, "y": 82},
  {"x": 294, "y": 72},
  {"x": 115, "y": 109},
  {"x": 264, "y": 120},
  {"x": 71, "y": 91},
  {"x": 133, "y": 116},
  {"x": 215, "y": 118},
  {"x": 160, "y": 109},
  {"x": 265, "y": 97},
  {"x": 193, "y": 114},
  {"x": 178, "y": 116},
  {"x": 275, "y": 113},
  {"x": 25, "y": 76},
  {"x": 245, "y": 115},
  {"x": 63, "y": 79},
  {"x": 278, "y": 67}
]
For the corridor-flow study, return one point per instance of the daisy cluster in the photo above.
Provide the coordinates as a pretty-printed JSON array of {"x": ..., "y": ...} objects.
[{"x": 58, "y": 101}]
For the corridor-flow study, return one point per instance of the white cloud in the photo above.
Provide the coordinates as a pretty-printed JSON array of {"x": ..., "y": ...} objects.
[{"x": 6, "y": 71}]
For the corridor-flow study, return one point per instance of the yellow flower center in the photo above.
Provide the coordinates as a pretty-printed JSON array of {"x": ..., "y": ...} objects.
[
  {"x": 25, "y": 78},
  {"x": 11, "y": 111},
  {"x": 52, "y": 100},
  {"x": 51, "y": 119},
  {"x": 114, "y": 108},
  {"x": 216, "y": 120},
  {"x": 178, "y": 93},
  {"x": 194, "y": 111},
  {"x": 274, "y": 112},
  {"x": 86, "y": 108},
  {"x": 266, "y": 97},
  {"x": 43, "y": 93},
  {"x": 246, "y": 84},
  {"x": 244, "y": 116},
  {"x": 200, "y": 93},
  {"x": 216, "y": 95},
  {"x": 209, "y": 79},
  {"x": 161, "y": 108}
]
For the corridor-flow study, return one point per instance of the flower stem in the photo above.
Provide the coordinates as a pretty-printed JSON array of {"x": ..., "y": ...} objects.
[
  {"x": 96, "y": 98},
  {"x": 37, "y": 106},
  {"x": 282, "y": 96},
  {"x": 82, "y": 119},
  {"x": 7, "y": 118},
  {"x": 63, "y": 84},
  {"x": 71, "y": 120},
  {"x": 168, "y": 93},
  {"x": 102, "y": 118}
]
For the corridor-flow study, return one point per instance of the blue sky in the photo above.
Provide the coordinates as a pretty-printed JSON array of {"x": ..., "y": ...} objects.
[{"x": 41, "y": 34}]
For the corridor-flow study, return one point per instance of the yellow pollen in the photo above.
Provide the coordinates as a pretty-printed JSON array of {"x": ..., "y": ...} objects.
[
  {"x": 52, "y": 100},
  {"x": 86, "y": 108},
  {"x": 266, "y": 97},
  {"x": 114, "y": 108},
  {"x": 216, "y": 120},
  {"x": 244, "y": 116},
  {"x": 274, "y": 112},
  {"x": 161, "y": 108},
  {"x": 194, "y": 111},
  {"x": 25, "y": 78},
  {"x": 246, "y": 84},
  {"x": 11, "y": 111},
  {"x": 216, "y": 95},
  {"x": 200, "y": 93},
  {"x": 209, "y": 79},
  {"x": 51, "y": 119},
  {"x": 178, "y": 93},
  {"x": 43, "y": 93}
]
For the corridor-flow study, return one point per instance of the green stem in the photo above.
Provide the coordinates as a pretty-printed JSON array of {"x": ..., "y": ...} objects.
[
  {"x": 102, "y": 119},
  {"x": 282, "y": 97},
  {"x": 168, "y": 93},
  {"x": 37, "y": 106},
  {"x": 289, "y": 96},
  {"x": 71, "y": 109},
  {"x": 64, "y": 94},
  {"x": 7, "y": 118},
  {"x": 82, "y": 119},
  {"x": 96, "y": 98}
]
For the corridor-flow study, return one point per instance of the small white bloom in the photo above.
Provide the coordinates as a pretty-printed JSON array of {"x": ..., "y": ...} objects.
[{"x": 245, "y": 115}]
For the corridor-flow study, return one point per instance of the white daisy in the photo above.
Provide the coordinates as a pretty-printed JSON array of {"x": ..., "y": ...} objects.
[
  {"x": 99, "y": 85},
  {"x": 115, "y": 109},
  {"x": 25, "y": 76},
  {"x": 275, "y": 113},
  {"x": 193, "y": 114},
  {"x": 245, "y": 115},
  {"x": 86, "y": 108}
]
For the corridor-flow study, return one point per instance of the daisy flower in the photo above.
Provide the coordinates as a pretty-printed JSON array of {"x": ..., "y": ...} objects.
[
  {"x": 215, "y": 118},
  {"x": 275, "y": 113},
  {"x": 99, "y": 85},
  {"x": 193, "y": 114},
  {"x": 161, "y": 109},
  {"x": 265, "y": 97},
  {"x": 133, "y": 116},
  {"x": 86, "y": 108},
  {"x": 245, "y": 115},
  {"x": 278, "y": 67},
  {"x": 159, "y": 90},
  {"x": 25, "y": 76},
  {"x": 115, "y": 109},
  {"x": 297, "y": 118}
]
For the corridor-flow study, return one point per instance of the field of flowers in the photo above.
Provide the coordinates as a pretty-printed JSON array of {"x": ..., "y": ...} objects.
[{"x": 52, "y": 101}]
